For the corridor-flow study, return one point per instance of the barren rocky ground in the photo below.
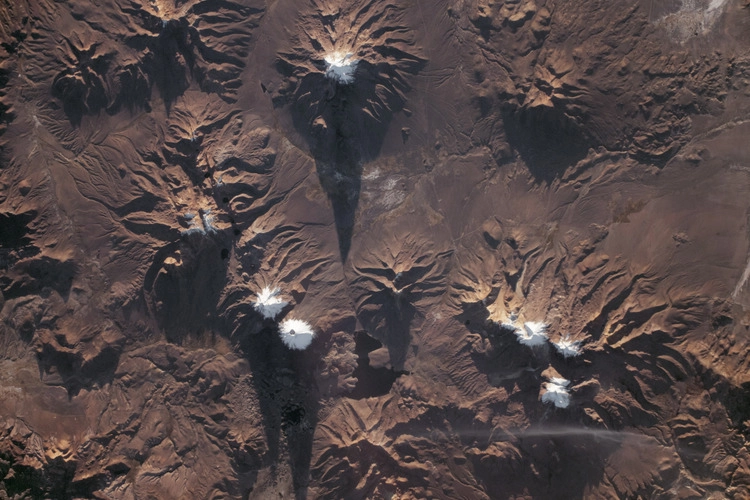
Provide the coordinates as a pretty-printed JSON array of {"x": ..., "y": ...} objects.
[{"x": 582, "y": 165}]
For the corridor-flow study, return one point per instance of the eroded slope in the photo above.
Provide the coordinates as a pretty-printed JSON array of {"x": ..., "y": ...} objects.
[{"x": 492, "y": 165}]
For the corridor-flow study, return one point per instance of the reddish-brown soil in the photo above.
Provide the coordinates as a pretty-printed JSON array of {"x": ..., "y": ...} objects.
[{"x": 581, "y": 163}]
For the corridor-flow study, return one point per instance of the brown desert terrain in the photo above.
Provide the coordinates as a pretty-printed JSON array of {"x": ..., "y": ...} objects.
[{"x": 518, "y": 231}]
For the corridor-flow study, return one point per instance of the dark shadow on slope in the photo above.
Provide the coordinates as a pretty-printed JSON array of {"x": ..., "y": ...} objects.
[
  {"x": 288, "y": 399},
  {"x": 76, "y": 371},
  {"x": 185, "y": 282},
  {"x": 54, "y": 479},
  {"x": 15, "y": 240},
  {"x": 559, "y": 459},
  {"x": 7, "y": 115},
  {"x": 501, "y": 357},
  {"x": 552, "y": 463},
  {"x": 546, "y": 139},
  {"x": 385, "y": 299},
  {"x": 344, "y": 126},
  {"x": 172, "y": 61},
  {"x": 387, "y": 317},
  {"x": 170, "y": 54},
  {"x": 371, "y": 382},
  {"x": 82, "y": 87},
  {"x": 168, "y": 62},
  {"x": 263, "y": 353},
  {"x": 38, "y": 275}
]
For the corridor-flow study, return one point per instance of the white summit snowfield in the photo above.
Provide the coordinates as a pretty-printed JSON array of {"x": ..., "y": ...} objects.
[
  {"x": 556, "y": 392},
  {"x": 533, "y": 333},
  {"x": 269, "y": 302},
  {"x": 341, "y": 67},
  {"x": 568, "y": 348},
  {"x": 296, "y": 334}
]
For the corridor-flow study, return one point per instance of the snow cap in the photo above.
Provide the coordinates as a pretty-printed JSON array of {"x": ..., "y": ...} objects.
[
  {"x": 532, "y": 334},
  {"x": 269, "y": 302},
  {"x": 568, "y": 348},
  {"x": 296, "y": 334},
  {"x": 341, "y": 66},
  {"x": 556, "y": 392}
]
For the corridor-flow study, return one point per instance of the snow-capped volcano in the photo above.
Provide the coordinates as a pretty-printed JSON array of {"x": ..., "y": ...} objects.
[
  {"x": 296, "y": 334},
  {"x": 269, "y": 302},
  {"x": 341, "y": 67},
  {"x": 556, "y": 392}
]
